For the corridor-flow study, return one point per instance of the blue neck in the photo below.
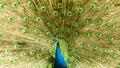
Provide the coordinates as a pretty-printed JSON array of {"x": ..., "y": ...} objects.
[{"x": 59, "y": 59}]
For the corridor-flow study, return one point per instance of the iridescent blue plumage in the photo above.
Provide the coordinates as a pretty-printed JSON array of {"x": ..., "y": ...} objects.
[{"x": 59, "y": 59}]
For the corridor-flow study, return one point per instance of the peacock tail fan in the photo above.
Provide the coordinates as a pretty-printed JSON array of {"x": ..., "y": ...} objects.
[{"x": 88, "y": 32}]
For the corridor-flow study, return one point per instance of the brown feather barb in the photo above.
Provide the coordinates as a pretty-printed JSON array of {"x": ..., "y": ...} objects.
[{"x": 88, "y": 32}]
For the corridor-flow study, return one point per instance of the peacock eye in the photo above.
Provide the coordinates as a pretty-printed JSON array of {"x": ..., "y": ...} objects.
[
  {"x": 98, "y": 22},
  {"x": 114, "y": 55},
  {"x": 1, "y": 35},
  {"x": 74, "y": 24},
  {"x": 57, "y": 30},
  {"x": 84, "y": 44},
  {"x": 15, "y": 4},
  {"x": 104, "y": 49},
  {"x": 67, "y": 29},
  {"x": 75, "y": 34},
  {"x": 39, "y": 20},
  {"x": 51, "y": 42},
  {"x": 2, "y": 6},
  {"x": 92, "y": 6},
  {"x": 94, "y": 47},
  {"x": 118, "y": 64},
  {"x": 61, "y": 19},
  {"x": 25, "y": 30},
  {"x": 39, "y": 55},
  {"x": 89, "y": 53},
  {"x": 71, "y": 43},
  {"x": 32, "y": 52},
  {"x": 38, "y": 40},
  {"x": 104, "y": 62},
  {"x": 79, "y": 9},
  {"x": 10, "y": 18},
  {"x": 7, "y": 51},
  {"x": 17, "y": 46},
  {"x": 26, "y": 19},
  {"x": 107, "y": 7},
  {"x": 43, "y": 49},
  {"x": 112, "y": 26},
  {"x": 30, "y": 4},
  {"x": 43, "y": 9},
  {"x": 60, "y": 5},
  {"x": 86, "y": 22},
  {"x": 49, "y": 34},
  {"x": 29, "y": 60},
  {"x": 23, "y": 54},
  {"x": 55, "y": 13},
  {"x": 61, "y": 35},
  {"x": 87, "y": 34},
  {"x": 110, "y": 38},
  {"x": 98, "y": 34},
  {"x": 15, "y": 59},
  {"x": 37, "y": 30},
  {"x": 50, "y": 24},
  {"x": 97, "y": 57},
  {"x": 77, "y": 49},
  {"x": 69, "y": 13}
]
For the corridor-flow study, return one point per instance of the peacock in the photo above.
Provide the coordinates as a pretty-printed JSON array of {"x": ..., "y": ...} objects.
[{"x": 85, "y": 33}]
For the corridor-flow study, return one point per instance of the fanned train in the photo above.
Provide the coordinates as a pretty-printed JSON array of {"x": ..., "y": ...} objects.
[{"x": 88, "y": 32}]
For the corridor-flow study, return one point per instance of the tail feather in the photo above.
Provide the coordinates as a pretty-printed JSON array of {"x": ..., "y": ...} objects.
[{"x": 88, "y": 32}]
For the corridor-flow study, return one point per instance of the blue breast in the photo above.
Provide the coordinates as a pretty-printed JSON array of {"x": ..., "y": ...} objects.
[{"x": 59, "y": 59}]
